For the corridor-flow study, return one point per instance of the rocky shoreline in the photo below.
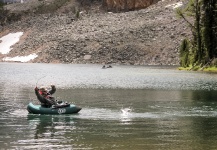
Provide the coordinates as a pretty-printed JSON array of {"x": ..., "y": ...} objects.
[{"x": 151, "y": 36}]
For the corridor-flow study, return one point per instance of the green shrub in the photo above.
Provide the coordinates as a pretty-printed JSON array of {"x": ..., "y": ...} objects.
[
  {"x": 184, "y": 53},
  {"x": 77, "y": 13},
  {"x": 3, "y": 14}
]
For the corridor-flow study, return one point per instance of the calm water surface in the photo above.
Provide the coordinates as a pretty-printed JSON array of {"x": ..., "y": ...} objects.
[{"x": 124, "y": 108}]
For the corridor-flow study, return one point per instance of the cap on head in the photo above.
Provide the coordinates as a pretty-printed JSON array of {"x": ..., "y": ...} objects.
[{"x": 43, "y": 89}]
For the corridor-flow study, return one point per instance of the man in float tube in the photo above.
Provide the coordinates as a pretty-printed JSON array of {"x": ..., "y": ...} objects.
[{"x": 45, "y": 96}]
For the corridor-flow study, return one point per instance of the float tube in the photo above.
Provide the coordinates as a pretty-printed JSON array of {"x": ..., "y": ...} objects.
[{"x": 66, "y": 109}]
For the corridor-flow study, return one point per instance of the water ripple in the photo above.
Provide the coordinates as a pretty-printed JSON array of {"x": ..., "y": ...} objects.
[{"x": 92, "y": 76}]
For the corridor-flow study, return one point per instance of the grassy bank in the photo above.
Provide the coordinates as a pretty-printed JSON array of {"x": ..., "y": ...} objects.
[{"x": 198, "y": 68}]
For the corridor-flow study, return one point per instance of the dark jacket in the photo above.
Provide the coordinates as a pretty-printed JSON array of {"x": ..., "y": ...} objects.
[{"x": 46, "y": 100}]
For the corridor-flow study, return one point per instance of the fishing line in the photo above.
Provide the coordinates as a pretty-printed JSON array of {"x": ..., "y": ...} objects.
[{"x": 39, "y": 79}]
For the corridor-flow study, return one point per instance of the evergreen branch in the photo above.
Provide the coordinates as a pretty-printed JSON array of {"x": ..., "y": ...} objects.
[{"x": 186, "y": 20}]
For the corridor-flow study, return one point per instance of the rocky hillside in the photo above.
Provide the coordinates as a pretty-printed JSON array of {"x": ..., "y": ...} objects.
[
  {"x": 127, "y": 5},
  {"x": 149, "y": 36}
]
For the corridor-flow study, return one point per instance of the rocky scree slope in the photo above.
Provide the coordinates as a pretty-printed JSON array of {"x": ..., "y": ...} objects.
[{"x": 150, "y": 36}]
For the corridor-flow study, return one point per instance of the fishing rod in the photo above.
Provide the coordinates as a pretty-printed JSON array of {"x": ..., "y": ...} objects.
[{"x": 39, "y": 79}]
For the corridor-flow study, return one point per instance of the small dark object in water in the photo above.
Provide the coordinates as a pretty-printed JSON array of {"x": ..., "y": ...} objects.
[
  {"x": 103, "y": 67},
  {"x": 109, "y": 66}
]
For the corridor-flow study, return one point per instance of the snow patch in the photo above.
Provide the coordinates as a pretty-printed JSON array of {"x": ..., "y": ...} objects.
[
  {"x": 174, "y": 6},
  {"x": 8, "y": 40},
  {"x": 21, "y": 58}
]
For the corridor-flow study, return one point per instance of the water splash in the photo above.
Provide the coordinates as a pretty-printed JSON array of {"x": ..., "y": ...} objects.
[
  {"x": 126, "y": 116},
  {"x": 126, "y": 111}
]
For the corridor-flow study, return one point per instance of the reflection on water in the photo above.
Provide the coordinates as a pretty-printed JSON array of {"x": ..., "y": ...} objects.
[
  {"x": 125, "y": 107},
  {"x": 52, "y": 130}
]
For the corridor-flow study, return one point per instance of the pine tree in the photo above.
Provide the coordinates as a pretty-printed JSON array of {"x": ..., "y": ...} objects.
[
  {"x": 209, "y": 28},
  {"x": 193, "y": 10},
  {"x": 204, "y": 29}
]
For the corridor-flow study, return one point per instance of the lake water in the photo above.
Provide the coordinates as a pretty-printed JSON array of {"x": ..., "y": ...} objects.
[{"x": 123, "y": 108}]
